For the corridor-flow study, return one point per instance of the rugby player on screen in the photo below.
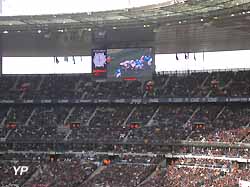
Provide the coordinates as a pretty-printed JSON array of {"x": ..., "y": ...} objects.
[{"x": 118, "y": 73}]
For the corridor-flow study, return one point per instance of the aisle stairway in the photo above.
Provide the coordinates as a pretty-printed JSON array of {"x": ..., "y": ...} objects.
[{"x": 96, "y": 172}]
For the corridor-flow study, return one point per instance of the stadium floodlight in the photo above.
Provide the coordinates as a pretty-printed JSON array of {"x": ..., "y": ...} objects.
[
  {"x": 60, "y": 30},
  {"x": 39, "y": 31},
  {"x": 202, "y": 19},
  {"x": 5, "y": 32}
]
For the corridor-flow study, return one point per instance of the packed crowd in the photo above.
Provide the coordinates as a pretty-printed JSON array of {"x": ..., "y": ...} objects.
[
  {"x": 226, "y": 124},
  {"x": 168, "y": 123},
  {"x": 126, "y": 171},
  {"x": 126, "y": 123},
  {"x": 106, "y": 124},
  {"x": 121, "y": 175},
  {"x": 61, "y": 174},
  {"x": 200, "y": 172},
  {"x": 7, "y": 175},
  {"x": 189, "y": 85},
  {"x": 74, "y": 170},
  {"x": 83, "y": 87},
  {"x": 40, "y": 123}
]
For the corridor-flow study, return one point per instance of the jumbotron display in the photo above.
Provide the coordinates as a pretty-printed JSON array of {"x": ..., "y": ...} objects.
[
  {"x": 123, "y": 64},
  {"x": 134, "y": 63}
]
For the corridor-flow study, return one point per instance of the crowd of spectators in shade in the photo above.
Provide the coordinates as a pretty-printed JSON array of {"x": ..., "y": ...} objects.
[
  {"x": 84, "y": 87},
  {"x": 121, "y": 175},
  {"x": 126, "y": 123},
  {"x": 61, "y": 174},
  {"x": 35, "y": 123}
]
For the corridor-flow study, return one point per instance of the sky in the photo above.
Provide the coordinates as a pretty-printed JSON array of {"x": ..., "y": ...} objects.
[
  {"x": 163, "y": 62},
  {"x": 37, "y": 7}
]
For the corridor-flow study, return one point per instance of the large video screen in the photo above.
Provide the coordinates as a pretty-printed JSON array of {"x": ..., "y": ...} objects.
[{"x": 133, "y": 63}]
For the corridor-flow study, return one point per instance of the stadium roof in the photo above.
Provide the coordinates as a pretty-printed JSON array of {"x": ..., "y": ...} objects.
[
  {"x": 191, "y": 26},
  {"x": 167, "y": 12}
]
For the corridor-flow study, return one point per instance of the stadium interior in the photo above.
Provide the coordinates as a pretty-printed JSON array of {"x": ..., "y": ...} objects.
[{"x": 124, "y": 124}]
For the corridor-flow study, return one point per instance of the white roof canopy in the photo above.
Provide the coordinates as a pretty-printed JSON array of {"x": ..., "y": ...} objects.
[{"x": 39, "y": 7}]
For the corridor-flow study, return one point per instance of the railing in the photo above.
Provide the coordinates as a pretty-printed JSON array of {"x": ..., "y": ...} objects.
[
  {"x": 187, "y": 72},
  {"x": 139, "y": 100},
  {"x": 148, "y": 154}
]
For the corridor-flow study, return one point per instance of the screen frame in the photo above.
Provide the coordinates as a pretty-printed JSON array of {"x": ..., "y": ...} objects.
[{"x": 93, "y": 70}]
